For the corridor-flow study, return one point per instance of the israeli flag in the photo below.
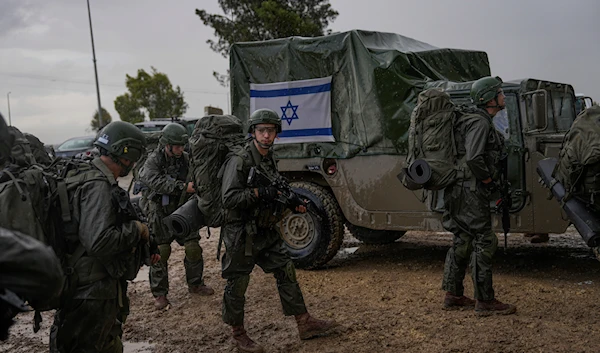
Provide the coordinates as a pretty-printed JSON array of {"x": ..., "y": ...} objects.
[{"x": 303, "y": 106}]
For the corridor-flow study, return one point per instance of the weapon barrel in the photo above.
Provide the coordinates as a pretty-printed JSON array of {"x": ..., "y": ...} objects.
[
  {"x": 186, "y": 219},
  {"x": 585, "y": 220}
]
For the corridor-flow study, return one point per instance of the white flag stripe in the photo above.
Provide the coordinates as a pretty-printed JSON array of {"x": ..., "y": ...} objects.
[{"x": 303, "y": 106}]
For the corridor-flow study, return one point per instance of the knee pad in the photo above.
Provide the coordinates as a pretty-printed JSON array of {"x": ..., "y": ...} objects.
[
  {"x": 237, "y": 286},
  {"x": 165, "y": 252},
  {"x": 286, "y": 273},
  {"x": 193, "y": 251}
]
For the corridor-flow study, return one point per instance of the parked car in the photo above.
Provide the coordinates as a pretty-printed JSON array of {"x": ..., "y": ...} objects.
[
  {"x": 74, "y": 146},
  {"x": 157, "y": 125}
]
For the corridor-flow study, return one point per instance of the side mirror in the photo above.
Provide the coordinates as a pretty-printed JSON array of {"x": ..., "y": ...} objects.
[{"x": 540, "y": 109}]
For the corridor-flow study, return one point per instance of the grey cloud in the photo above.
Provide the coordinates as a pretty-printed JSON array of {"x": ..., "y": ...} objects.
[
  {"x": 48, "y": 51},
  {"x": 13, "y": 14}
]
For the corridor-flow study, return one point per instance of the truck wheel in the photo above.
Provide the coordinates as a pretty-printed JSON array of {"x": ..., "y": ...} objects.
[
  {"x": 374, "y": 236},
  {"x": 313, "y": 240}
]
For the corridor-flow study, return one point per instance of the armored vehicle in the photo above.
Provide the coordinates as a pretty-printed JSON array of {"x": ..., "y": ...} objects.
[{"x": 375, "y": 79}]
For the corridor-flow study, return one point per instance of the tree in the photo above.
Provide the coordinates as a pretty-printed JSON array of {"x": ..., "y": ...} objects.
[
  {"x": 254, "y": 20},
  {"x": 106, "y": 118},
  {"x": 152, "y": 95}
]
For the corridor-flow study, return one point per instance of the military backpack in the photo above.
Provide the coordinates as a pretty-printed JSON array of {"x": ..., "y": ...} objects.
[
  {"x": 34, "y": 200},
  {"x": 578, "y": 167},
  {"x": 214, "y": 139},
  {"x": 431, "y": 140}
]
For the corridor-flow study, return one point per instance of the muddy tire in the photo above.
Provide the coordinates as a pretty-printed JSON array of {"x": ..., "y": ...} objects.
[
  {"x": 311, "y": 241},
  {"x": 373, "y": 236}
]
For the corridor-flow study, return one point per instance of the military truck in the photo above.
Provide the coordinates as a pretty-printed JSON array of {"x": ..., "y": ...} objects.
[{"x": 375, "y": 80}]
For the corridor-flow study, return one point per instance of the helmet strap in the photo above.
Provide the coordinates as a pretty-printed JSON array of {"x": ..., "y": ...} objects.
[
  {"x": 125, "y": 169},
  {"x": 262, "y": 145}
]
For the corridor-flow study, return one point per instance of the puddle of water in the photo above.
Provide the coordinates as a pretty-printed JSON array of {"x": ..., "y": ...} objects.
[
  {"x": 346, "y": 252},
  {"x": 138, "y": 347},
  {"x": 143, "y": 275}
]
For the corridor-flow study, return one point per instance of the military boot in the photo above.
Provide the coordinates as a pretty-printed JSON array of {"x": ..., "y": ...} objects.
[
  {"x": 243, "y": 342},
  {"x": 309, "y": 327},
  {"x": 454, "y": 302},
  {"x": 493, "y": 307},
  {"x": 161, "y": 302},
  {"x": 201, "y": 290}
]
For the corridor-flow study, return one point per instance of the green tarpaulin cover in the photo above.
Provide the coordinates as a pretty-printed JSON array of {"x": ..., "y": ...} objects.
[{"x": 376, "y": 79}]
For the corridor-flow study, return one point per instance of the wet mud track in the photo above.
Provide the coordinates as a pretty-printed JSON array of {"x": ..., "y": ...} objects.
[{"x": 387, "y": 298}]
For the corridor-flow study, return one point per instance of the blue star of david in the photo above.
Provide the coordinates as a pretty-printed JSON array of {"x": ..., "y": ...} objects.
[{"x": 287, "y": 118}]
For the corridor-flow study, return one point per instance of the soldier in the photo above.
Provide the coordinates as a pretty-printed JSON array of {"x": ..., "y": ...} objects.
[
  {"x": 101, "y": 242},
  {"x": 467, "y": 203},
  {"x": 165, "y": 173},
  {"x": 251, "y": 239}
]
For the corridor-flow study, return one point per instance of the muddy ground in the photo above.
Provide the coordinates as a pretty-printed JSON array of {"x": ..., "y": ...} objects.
[{"x": 387, "y": 298}]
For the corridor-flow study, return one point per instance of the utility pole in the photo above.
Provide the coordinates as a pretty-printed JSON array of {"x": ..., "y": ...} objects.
[
  {"x": 95, "y": 68},
  {"x": 8, "y": 100}
]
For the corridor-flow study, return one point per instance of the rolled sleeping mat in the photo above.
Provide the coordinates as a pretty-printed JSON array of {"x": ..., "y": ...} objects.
[
  {"x": 186, "y": 219},
  {"x": 419, "y": 171},
  {"x": 586, "y": 221}
]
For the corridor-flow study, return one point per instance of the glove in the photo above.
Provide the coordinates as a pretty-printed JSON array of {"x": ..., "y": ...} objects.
[
  {"x": 143, "y": 229},
  {"x": 267, "y": 193}
]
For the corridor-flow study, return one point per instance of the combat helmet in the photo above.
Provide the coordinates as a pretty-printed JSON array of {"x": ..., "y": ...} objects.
[
  {"x": 174, "y": 134},
  {"x": 120, "y": 139},
  {"x": 264, "y": 116},
  {"x": 485, "y": 89}
]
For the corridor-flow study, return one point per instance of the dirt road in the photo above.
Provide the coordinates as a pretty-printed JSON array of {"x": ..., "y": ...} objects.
[{"x": 387, "y": 298}]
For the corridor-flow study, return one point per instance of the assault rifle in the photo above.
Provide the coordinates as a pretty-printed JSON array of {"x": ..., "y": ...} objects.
[
  {"x": 285, "y": 193},
  {"x": 505, "y": 202}
]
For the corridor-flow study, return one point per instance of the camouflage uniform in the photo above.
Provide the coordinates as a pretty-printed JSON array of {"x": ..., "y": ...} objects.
[
  {"x": 250, "y": 238},
  {"x": 467, "y": 207},
  {"x": 165, "y": 178},
  {"x": 90, "y": 319}
]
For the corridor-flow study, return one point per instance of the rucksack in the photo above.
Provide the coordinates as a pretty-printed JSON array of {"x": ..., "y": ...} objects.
[
  {"x": 34, "y": 200},
  {"x": 214, "y": 139},
  {"x": 578, "y": 167},
  {"x": 21, "y": 153},
  {"x": 38, "y": 150},
  {"x": 431, "y": 141}
]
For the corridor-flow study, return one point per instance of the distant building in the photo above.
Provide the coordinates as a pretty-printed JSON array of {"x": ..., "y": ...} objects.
[{"x": 212, "y": 111}]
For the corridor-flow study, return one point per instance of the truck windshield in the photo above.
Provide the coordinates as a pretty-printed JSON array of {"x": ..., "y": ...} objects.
[
  {"x": 561, "y": 111},
  {"x": 562, "y": 116}
]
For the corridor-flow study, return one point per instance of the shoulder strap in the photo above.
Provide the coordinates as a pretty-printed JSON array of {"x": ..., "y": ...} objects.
[{"x": 63, "y": 186}]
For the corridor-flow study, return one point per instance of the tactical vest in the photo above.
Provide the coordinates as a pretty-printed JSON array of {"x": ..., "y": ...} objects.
[
  {"x": 175, "y": 169},
  {"x": 264, "y": 215},
  {"x": 494, "y": 147}
]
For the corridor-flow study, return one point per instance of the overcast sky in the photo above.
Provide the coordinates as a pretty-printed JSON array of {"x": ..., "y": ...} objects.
[{"x": 46, "y": 59}]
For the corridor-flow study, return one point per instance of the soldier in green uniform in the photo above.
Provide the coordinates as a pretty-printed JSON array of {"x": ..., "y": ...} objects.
[
  {"x": 165, "y": 174},
  {"x": 467, "y": 203},
  {"x": 251, "y": 239},
  {"x": 103, "y": 243}
]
